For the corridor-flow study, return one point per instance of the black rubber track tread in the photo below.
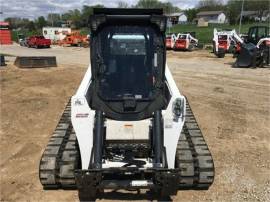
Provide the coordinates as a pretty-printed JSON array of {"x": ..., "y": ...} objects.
[
  {"x": 69, "y": 162},
  {"x": 60, "y": 153},
  {"x": 193, "y": 156}
]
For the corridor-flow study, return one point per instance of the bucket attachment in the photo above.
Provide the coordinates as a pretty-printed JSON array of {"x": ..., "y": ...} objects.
[
  {"x": 35, "y": 62},
  {"x": 247, "y": 56}
]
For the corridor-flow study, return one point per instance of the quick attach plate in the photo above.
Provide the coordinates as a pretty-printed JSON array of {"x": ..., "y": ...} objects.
[{"x": 161, "y": 180}]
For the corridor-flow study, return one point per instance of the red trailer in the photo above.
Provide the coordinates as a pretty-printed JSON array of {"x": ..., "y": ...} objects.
[{"x": 5, "y": 33}]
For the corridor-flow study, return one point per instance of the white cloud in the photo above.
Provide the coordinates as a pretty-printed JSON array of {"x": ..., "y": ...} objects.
[{"x": 35, "y": 8}]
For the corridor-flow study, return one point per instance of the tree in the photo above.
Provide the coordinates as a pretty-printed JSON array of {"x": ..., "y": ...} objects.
[
  {"x": 75, "y": 18},
  {"x": 86, "y": 12},
  {"x": 122, "y": 4},
  {"x": 149, "y": 4},
  {"x": 31, "y": 26},
  {"x": 210, "y": 5},
  {"x": 41, "y": 22},
  {"x": 260, "y": 6},
  {"x": 16, "y": 22},
  {"x": 167, "y": 6},
  {"x": 53, "y": 19},
  {"x": 191, "y": 14},
  {"x": 233, "y": 11}
]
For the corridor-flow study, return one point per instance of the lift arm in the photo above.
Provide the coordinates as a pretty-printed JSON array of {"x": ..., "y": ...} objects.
[{"x": 262, "y": 40}]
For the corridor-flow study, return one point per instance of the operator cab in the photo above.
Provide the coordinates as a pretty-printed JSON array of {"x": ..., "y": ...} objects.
[
  {"x": 256, "y": 33},
  {"x": 182, "y": 36},
  {"x": 128, "y": 63}
]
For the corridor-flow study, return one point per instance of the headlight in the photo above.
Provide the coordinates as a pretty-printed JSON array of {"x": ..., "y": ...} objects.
[{"x": 178, "y": 108}]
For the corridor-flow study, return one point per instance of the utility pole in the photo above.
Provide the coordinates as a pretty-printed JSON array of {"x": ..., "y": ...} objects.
[
  {"x": 169, "y": 20},
  {"x": 241, "y": 15}
]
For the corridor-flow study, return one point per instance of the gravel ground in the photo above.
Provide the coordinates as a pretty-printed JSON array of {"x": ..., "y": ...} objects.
[{"x": 231, "y": 106}]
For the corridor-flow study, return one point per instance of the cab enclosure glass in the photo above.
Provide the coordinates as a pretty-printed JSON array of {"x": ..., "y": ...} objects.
[{"x": 128, "y": 63}]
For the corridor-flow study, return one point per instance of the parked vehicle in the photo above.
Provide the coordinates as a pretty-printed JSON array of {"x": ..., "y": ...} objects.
[
  {"x": 38, "y": 42},
  {"x": 75, "y": 39},
  {"x": 22, "y": 40},
  {"x": 170, "y": 40},
  {"x": 185, "y": 42},
  {"x": 226, "y": 41},
  {"x": 255, "y": 50},
  {"x": 251, "y": 50}
]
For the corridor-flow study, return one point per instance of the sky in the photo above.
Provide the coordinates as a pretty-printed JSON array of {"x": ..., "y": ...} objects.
[{"x": 35, "y": 8}]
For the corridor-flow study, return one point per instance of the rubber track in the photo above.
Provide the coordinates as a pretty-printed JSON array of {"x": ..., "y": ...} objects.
[
  {"x": 61, "y": 156},
  {"x": 193, "y": 156}
]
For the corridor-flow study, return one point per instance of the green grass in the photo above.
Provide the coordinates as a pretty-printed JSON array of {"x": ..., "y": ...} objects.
[
  {"x": 205, "y": 34},
  {"x": 26, "y": 33}
]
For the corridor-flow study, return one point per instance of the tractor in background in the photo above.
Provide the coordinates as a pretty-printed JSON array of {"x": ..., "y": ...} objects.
[
  {"x": 75, "y": 38},
  {"x": 255, "y": 50}
]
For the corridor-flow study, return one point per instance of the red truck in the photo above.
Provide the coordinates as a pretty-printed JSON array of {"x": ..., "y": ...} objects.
[{"x": 38, "y": 42}]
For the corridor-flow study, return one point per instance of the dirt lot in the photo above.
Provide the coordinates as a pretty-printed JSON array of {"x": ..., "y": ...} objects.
[{"x": 231, "y": 105}]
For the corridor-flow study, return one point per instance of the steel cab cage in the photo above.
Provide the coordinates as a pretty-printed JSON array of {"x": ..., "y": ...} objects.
[
  {"x": 128, "y": 59},
  {"x": 255, "y": 33}
]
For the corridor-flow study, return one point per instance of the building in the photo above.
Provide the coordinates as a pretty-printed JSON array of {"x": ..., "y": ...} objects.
[
  {"x": 212, "y": 16},
  {"x": 265, "y": 16},
  {"x": 202, "y": 23},
  {"x": 55, "y": 33},
  {"x": 248, "y": 15},
  {"x": 256, "y": 16},
  {"x": 177, "y": 18},
  {"x": 5, "y": 33}
]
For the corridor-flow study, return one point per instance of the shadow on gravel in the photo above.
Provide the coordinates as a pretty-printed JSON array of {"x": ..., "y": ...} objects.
[
  {"x": 229, "y": 63},
  {"x": 120, "y": 196}
]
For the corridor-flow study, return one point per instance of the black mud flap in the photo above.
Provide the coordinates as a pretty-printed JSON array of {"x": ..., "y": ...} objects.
[
  {"x": 35, "y": 62},
  {"x": 247, "y": 56}
]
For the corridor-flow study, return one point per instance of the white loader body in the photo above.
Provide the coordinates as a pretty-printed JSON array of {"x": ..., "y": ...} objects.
[{"x": 82, "y": 117}]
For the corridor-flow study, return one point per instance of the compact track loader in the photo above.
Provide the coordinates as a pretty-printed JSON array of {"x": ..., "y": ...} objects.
[
  {"x": 226, "y": 41},
  {"x": 185, "y": 42},
  {"x": 170, "y": 40},
  {"x": 255, "y": 51},
  {"x": 127, "y": 126}
]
